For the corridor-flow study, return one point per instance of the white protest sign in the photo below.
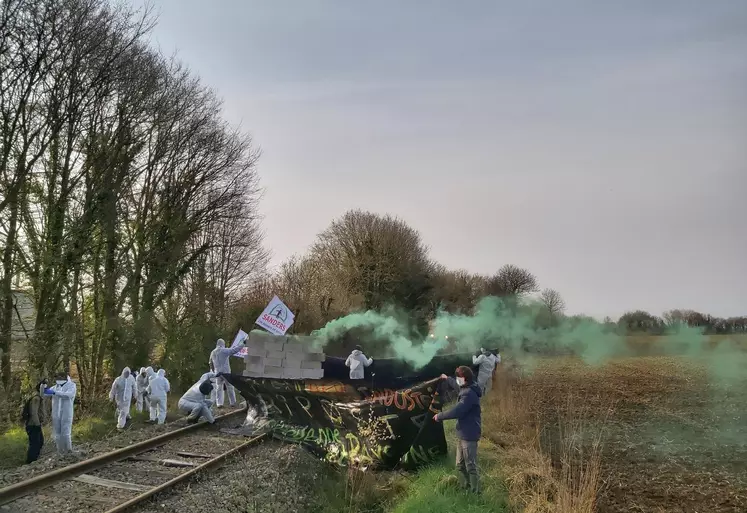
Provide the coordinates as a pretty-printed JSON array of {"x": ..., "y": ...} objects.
[
  {"x": 276, "y": 318},
  {"x": 240, "y": 337}
]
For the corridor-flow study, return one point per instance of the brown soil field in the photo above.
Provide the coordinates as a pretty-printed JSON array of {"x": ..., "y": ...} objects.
[{"x": 673, "y": 428}]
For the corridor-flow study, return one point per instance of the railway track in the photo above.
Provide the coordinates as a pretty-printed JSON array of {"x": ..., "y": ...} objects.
[{"x": 118, "y": 480}]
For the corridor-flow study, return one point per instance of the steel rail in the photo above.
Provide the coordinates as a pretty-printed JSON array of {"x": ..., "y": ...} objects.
[
  {"x": 181, "y": 477},
  {"x": 23, "y": 488}
]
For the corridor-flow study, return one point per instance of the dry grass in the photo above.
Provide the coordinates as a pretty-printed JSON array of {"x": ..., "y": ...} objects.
[{"x": 548, "y": 469}]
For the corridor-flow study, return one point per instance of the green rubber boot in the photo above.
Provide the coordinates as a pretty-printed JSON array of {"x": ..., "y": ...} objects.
[{"x": 474, "y": 484}]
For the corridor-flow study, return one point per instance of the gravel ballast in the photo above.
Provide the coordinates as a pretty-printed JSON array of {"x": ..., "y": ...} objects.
[
  {"x": 270, "y": 476},
  {"x": 273, "y": 477}
]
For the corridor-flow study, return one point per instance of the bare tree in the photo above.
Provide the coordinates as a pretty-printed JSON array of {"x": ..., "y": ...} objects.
[
  {"x": 511, "y": 280},
  {"x": 377, "y": 260},
  {"x": 454, "y": 291},
  {"x": 553, "y": 301}
]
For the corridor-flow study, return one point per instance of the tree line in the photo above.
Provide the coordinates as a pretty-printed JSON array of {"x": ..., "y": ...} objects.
[
  {"x": 127, "y": 203},
  {"x": 365, "y": 261},
  {"x": 129, "y": 210}
]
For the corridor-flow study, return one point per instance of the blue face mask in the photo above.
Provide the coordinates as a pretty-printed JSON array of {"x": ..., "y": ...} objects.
[{"x": 60, "y": 382}]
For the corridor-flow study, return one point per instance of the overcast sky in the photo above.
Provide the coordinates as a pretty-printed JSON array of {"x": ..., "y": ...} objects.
[{"x": 602, "y": 145}]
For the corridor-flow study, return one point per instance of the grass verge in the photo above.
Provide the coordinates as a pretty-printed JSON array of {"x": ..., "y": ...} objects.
[
  {"x": 436, "y": 488},
  {"x": 97, "y": 423},
  {"x": 432, "y": 489}
]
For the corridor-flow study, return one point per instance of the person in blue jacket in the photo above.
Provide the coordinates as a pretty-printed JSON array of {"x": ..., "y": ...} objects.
[{"x": 468, "y": 428}]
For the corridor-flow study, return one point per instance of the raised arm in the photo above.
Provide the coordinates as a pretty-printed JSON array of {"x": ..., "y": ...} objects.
[
  {"x": 67, "y": 393},
  {"x": 233, "y": 350}
]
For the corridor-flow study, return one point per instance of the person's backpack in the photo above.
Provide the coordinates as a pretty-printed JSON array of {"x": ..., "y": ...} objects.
[{"x": 26, "y": 412}]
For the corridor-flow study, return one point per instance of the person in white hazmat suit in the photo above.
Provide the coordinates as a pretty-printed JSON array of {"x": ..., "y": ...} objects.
[
  {"x": 133, "y": 384},
  {"x": 150, "y": 374},
  {"x": 121, "y": 393},
  {"x": 357, "y": 362},
  {"x": 63, "y": 396},
  {"x": 142, "y": 403},
  {"x": 193, "y": 402},
  {"x": 219, "y": 363},
  {"x": 486, "y": 363},
  {"x": 158, "y": 387}
]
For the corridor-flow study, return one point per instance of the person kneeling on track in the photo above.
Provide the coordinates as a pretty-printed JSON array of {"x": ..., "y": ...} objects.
[{"x": 194, "y": 404}]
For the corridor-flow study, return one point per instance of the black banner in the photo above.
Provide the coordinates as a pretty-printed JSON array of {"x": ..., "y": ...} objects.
[
  {"x": 398, "y": 373},
  {"x": 347, "y": 422}
]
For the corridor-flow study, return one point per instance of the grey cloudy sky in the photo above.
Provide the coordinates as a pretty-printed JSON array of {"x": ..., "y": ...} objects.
[{"x": 600, "y": 144}]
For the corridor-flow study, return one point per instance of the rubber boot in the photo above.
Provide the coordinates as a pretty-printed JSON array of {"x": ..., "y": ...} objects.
[
  {"x": 474, "y": 484},
  {"x": 463, "y": 480}
]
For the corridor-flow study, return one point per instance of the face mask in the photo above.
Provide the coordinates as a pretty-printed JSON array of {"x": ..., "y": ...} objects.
[
  {"x": 460, "y": 381},
  {"x": 60, "y": 382}
]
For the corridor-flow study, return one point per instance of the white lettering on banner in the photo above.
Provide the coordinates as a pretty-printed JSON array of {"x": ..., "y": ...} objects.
[{"x": 276, "y": 318}]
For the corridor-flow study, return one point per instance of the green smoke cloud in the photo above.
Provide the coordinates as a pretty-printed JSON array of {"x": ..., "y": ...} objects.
[
  {"x": 384, "y": 326},
  {"x": 496, "y": 322},
  {"x": 525, "y": 329}
]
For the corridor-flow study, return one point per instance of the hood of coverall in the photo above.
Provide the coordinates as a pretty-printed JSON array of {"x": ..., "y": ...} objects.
[
  {"x": 126, "y": 372},
  {"x": 206, "y": 387},
  {"x": 150, "y": 372},
  {"x": 162, "y": 372},
  {"x": 220, "y": 343}
]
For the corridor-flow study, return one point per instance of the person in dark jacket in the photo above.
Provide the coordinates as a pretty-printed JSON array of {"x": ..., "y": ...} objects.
[
  {"x": 468, "y": 428},
  {"x": 34, "y": 422}
]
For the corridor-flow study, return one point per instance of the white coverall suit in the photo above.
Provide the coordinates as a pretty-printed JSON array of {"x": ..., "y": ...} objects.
[
  {"x": 357, "y": 362},
  {"x": 486, "y": 361},
  {"x": 133, "y": 384},
  {"x": 142, "y": 403},
  {"x": 121, "y": 393},
  {"x": 157, "y": 389},
  {"x": 62, "y": 415},
  {"x": 219, "y": 362},
  {"x": 193, "y": 402},
  {"x": 150, "y": 374}
]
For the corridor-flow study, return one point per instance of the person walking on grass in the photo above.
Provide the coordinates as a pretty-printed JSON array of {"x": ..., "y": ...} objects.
[
  {"x": 33, "y": 418},
  {"x": 121, "y": 395},
  {"x": 468, "y": 428},
  {"x": 157, "y": 389},
  {"x": 142, "y": 403}
]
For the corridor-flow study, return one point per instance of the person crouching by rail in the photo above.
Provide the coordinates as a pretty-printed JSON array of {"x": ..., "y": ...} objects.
[
  {"x": 193, "y": 402},
  {"x": 467, "y": 413}
]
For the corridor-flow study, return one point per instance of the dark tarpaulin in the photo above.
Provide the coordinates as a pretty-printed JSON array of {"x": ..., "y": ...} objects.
[
  {"x": 397, "y": 373},
  {"x": 344, "y": 421}
]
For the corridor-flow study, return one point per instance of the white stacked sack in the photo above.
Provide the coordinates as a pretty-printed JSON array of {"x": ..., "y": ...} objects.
[{"x": 283, "y": 357}]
